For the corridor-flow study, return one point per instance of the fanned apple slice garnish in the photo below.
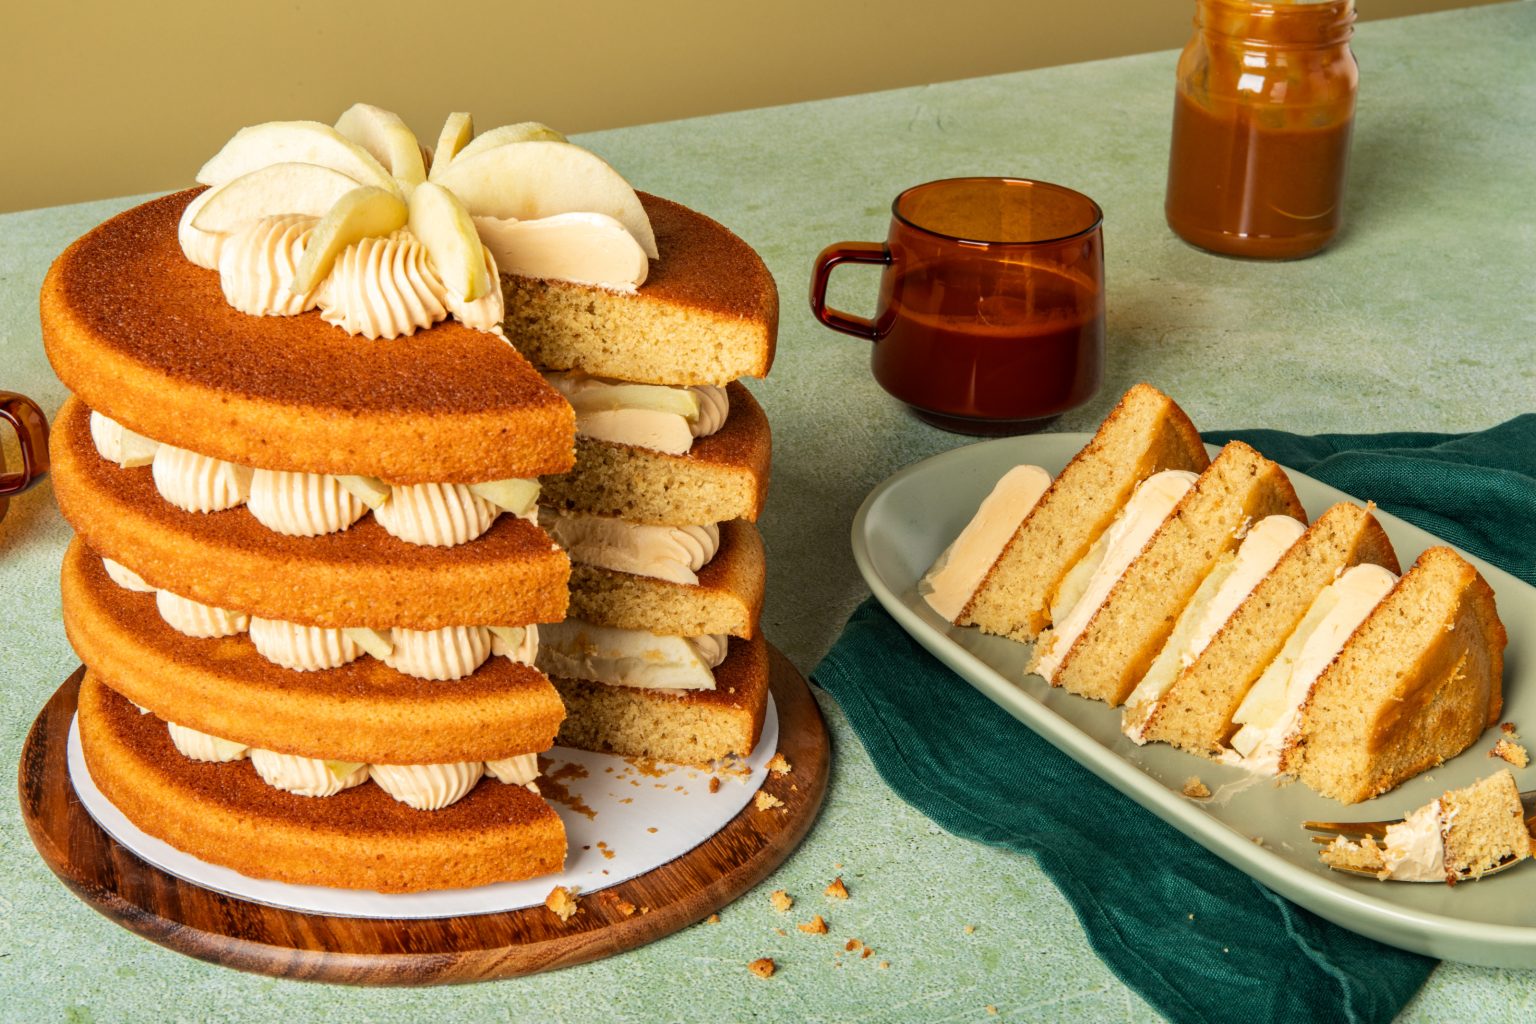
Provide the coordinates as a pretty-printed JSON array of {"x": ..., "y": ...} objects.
[
  {"x": 370, "y": 490},
  {"x": 523, "y": 131},
  {"x": 272, "y": 191},
  {"x": 293, "y": 142},
  {"x": 540, "y": 179},
  {"x": 456, "y": 133},
  {"x": 365, "y": 212},
  {"x": 341, "y": 770},
  {"x": 651, "y": 397},
  {"x": 512, "y": 636},
  {"x": 515, "y": 495},
  {"x": 387, "y": 138},
  {"x": 442, "y": 223},
  {"x": 375, "y": 642},
  {"x": 588, "y": 248}
]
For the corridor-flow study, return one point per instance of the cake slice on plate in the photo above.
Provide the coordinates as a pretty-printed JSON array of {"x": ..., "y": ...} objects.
[
  {"x": 1144, "y": 434},
  {"x": 1120, "y": 602},
  {"x": 1189, "y": 695}
]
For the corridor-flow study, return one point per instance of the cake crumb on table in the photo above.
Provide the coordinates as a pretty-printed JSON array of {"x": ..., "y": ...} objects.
[
  {"x": 1510, "y": 751},
  {"x": 562, "y": 902},
  {"x": 1196, "y": 789},
  {"x": 778, "y": 765},
  {"x": 837, "y": 890},
  {"x": 815, "y": 926},
  {"x": 763, "y": 967},
  {"x": 853, "y": 946},
  {"x": 765, "y": 801},
  {"x": 781, "y": 900},
  {"x": 712, "y": 919},
  {"x": 970, "y": 929},
  {"x": 991, "y": 1010}
]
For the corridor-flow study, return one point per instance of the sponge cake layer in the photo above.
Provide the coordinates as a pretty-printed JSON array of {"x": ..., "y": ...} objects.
[
  {"x": 362, "y": 711},
  {"x": 358, "y": 839},
  {"x": 510, "y": 576},
  {"x": 145, "y": 336}
]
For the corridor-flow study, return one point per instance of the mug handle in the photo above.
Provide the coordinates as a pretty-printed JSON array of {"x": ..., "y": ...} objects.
[
  {"x": 832, "y": 256},
  {"x": 32, "y": 432}
]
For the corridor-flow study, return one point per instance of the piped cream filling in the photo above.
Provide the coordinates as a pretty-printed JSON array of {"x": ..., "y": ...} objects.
[
  {"x": 313, "y": 504},
  {"x": 426, "y": 787},
  {"x": 654, "y": 416},
  {"x": 439, "y": 655},
  {"x": 1228, "y": 585},
  {"x": 1088, "y": 584},
  {"x": 1270, "y": 713},
  {"x": 673, "y": 553},
  {"x": 574, "y": 649},
  {"x": 952, "y": 581}
]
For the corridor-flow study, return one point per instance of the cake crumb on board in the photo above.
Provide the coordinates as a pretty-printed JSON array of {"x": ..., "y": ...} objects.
[
  {"x": 763, "y": 967},
  {"x": 837, "y": 890},
  {"x": 765, "y": 801},
  {"x": 562, "y": 902},
  {"x": 714, "y": 783},
  {"x": 815, "y": 926},
  {"x": 1508, "y": 750},
  {"x": 781, "y": 900},
  {"x": 778, "y": 765},
  {"x": 1195, "y": 789}
]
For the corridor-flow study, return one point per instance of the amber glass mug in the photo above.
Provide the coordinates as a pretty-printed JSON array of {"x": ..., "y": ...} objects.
[
  {"x": 990, "y": 318},
  {"x": 31, "y": 428}
]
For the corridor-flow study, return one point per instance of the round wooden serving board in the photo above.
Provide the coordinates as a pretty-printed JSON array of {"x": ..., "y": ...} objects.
[{"x": 284, "y": 943}]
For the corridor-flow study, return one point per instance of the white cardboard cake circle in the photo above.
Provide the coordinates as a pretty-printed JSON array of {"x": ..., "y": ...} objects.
[{"x": 669, "y": 813}]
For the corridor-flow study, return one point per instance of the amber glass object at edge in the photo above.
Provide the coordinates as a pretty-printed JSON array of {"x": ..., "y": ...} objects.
[
  {"x": 990, "y": 318},
  {"x": 1262, "y": 118},
  {"x": 31, "y": 428}
]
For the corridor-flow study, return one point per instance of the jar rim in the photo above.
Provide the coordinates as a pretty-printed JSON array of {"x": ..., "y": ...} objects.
[{"x": 1331, "y": 21}]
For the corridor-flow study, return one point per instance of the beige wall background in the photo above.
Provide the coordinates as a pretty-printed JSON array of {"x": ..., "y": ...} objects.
[{"x": 102, "y": 98}]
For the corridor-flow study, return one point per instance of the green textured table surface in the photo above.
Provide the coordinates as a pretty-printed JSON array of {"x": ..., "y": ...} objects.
[{"x": 1421, "y": 316}]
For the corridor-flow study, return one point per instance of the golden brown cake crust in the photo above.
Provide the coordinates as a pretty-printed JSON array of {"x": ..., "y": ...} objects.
[
  {"x": 146, "y": 337},
  {"x": 358, "y": 839},
  {"x": 727, "y": 599},
  {"x": 696, "y": 727},
  {"x": 707, "y": 313},
  {"x": 724, "y": 476},
  {"x": 362, "y": 711},
  {"x": 510, "y": 576}
]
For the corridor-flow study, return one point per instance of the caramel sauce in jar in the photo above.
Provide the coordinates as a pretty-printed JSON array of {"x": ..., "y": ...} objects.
[{"x": 1262, "y": 118}]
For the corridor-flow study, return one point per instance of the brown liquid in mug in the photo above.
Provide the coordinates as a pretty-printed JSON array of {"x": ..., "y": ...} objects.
[
  {"x": 961, "y": 341},
  {"x": 1240, "y": 186}
]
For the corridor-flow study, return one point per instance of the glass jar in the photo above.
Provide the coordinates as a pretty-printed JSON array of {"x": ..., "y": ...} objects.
[{"x": 1261, "y": 125}]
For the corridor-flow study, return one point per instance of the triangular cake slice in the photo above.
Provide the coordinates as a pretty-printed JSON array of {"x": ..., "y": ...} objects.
[
  {"x": 1146, "y": 432},
  {"x": 1416, "y": 684},
  {"x": 1194, "y": 710},
  {"x": 1116, "y": 646}
]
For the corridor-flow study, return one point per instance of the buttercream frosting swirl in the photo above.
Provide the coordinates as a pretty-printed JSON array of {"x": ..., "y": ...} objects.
[
  {"x": 199, "y": 746},
  {"x": 126, "y": 577},
  {"x": 302, "y": 504},
  {"x": 427, "y": 787},
  {"x": 435, "y": 515},
  {"x": 199, "y": 483},
  {"x": 116, "y": 443},
  {"x": 195, "y": 619},
  {"x": 302, "y": 648},
  {"x": 522, "y": 646},
  {"x": 518, "y": 770},
  {"x": 257, "y": 265},
  {"x": 673, "y": 553},
  {"x": 306, "y": 776},
  {"x": 439, "y": 654}
]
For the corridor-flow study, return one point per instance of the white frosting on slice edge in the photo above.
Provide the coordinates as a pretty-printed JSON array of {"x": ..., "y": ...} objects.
[{"x": 959, "y": 570}]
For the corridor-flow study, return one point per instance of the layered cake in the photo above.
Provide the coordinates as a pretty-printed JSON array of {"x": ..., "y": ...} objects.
[
  {"x": 1223, "y": 622},
  {"x": 303, "y": 463}
]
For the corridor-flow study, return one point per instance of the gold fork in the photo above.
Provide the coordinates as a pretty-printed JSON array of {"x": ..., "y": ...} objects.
[{"x": 1355, "y": 831}]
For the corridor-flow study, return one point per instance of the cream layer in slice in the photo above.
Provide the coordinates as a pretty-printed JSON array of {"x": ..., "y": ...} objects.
[
  {"x": 658, "y": 417},
  {"x": 1233, "y": 578},
  {"x": 952, "y": 581},
  {"x": 672, "y": 553},
  {"x": 1088, "y": 583},
  {"x": 574, "y": 649},
  {"x": 1268, "y": 715}
]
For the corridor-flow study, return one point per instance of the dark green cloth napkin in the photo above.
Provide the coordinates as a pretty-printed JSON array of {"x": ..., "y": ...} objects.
[{"x": 1246, "y": 954}]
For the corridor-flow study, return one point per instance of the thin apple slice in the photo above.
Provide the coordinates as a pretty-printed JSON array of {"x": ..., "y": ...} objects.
[
  {"x": 588, "y": 248},
  {"x": 456, "y": 133},
  {"x": 375, "y": 642},
  {"x": 271, "y": 191},
  {"x": 370, "y": 490},
  {"x": 365, "y": 212},
  {"x": 540, "y": 179},
  {"x": 523, "y": 131},
  {"x": 515, "y": 495},
  {"x": 442, "y": 224},
  {"x": 292, "y": 142},
  {"x": 650, "y": 397},
  {"x": 387, "y": 138}
]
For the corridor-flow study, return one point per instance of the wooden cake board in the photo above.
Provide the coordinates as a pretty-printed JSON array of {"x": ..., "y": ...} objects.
[{"x": 267, "y": 940}]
